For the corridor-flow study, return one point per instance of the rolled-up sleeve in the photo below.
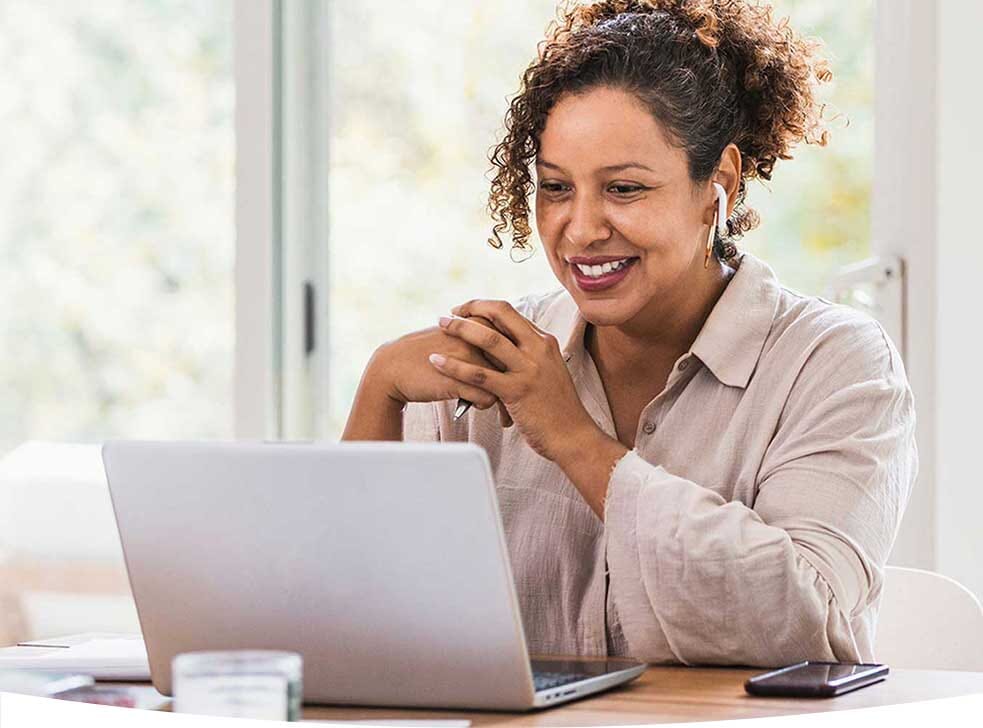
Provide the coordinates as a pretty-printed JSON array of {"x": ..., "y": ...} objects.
[
  {"x": 785, "y": 577},
  {"x": 434, "y": 422},
  {"x": 420, "y": 422}
]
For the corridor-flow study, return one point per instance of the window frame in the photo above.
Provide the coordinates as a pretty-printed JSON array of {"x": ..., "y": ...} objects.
[
  {"x": 257, "y": 245},
  {"x": 903, "y": 219}
]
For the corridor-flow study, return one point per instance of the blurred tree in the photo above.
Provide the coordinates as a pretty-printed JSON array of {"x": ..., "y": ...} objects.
[{"x": 116, "y": 226}]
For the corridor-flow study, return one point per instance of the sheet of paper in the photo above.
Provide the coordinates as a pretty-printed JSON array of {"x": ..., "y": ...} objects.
[
  {"x": 115, "y": 659},
  {"x": 77, "y": 639}
]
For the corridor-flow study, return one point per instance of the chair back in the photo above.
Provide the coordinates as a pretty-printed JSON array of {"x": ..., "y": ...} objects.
[{"x": 929, "y": 622}]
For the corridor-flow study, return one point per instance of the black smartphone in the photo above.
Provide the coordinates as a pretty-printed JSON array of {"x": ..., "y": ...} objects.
[{"x": 816, "y": 679}]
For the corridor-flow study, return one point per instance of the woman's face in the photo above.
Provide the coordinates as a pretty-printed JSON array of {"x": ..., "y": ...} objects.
[{"x": 612, "y": 192}]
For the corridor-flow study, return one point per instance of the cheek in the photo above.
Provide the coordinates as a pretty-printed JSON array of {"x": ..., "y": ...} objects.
[
  {"x": 544, "y": 219},
  {"x": 656, "y": 227},
  {"x": 549, "y": 229},
  {"x": 644, "y": 228},
  {"x": 556, "y": 265}
]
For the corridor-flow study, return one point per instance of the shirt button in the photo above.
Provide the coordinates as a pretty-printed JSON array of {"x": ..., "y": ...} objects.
[
  {"x": 648, "y": 428},
  {"x": 684, "y": 365}
]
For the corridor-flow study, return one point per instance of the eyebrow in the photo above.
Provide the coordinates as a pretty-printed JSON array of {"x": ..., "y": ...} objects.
[{"x": 609, "y": 168}]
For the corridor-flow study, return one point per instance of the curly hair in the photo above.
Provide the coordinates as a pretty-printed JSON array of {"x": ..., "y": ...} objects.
[{"x": 711, "y": 72}]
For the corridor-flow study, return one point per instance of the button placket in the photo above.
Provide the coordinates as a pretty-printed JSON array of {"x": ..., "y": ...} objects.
[{"x": 676, "y": 372}]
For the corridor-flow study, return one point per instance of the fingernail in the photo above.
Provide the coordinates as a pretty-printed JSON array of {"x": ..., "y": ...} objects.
[
  {"x": 438, "y": 359},
  {"x": 445, "y": 321}
]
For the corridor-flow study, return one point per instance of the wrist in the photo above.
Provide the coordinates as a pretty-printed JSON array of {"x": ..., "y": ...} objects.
[
  {"x": 375, "y": 415},
  {"x": 585, "y": 444},
  {"x": 588, "y": 459},
  {"x": 377, "y": 383}
]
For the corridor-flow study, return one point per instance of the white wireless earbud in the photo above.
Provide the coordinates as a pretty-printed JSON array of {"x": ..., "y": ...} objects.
[{"x": 721, "y": 208}]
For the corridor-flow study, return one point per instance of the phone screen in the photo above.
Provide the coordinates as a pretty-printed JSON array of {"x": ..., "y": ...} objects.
[{"x": 813, "y": 674}]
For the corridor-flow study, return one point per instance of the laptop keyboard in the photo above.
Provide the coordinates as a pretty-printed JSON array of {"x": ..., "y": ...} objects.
[{"x": 547, "y": 680}]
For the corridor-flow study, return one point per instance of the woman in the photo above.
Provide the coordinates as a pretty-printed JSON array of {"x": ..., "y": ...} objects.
[{"x": 704, "y": 467}]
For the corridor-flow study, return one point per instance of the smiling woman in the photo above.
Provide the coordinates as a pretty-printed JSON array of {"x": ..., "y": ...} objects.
[
  {"x": 591, "y": 211},
  {"x": 704, "y": 467}
]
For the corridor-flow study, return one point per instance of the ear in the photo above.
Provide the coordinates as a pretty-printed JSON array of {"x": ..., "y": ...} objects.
[{"x": 728, "y": 174}]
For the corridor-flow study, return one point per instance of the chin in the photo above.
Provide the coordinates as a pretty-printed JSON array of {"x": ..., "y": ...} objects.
[{"x": 599, "y": 312}]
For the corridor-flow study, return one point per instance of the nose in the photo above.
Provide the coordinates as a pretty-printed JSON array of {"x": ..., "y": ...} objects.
[{"x": 587, "y": 223}]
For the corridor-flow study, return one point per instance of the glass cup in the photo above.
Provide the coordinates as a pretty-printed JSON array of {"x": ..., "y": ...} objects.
[{"x": 263, "y": 684}]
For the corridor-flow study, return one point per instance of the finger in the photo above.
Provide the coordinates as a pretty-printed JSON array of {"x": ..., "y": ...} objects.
[
  {"x": 504, "y": 418},
  {"x": 483, "y": 378},
  {"x": 489, "y": 340},
  {"x": 506, "y": 319},
  {"x": 483, "y": 405},
  {"x": 479, "y": 398},
  {"x": 485, "y": 322}
]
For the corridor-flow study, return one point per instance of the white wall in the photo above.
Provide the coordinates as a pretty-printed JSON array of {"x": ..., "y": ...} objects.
[
  {"x": 928, "y": 157},
  {"x": 903, "y": 221},
  {"x": 959, "y": 334}
]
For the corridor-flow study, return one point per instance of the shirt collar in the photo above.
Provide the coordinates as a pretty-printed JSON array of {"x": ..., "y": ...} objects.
[{"x": 731, "y": 340}]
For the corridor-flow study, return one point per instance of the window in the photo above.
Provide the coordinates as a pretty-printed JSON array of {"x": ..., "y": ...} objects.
[
  {"x": 116, "y": 258},
  {"x": 116, "y": 224},
  {"x": 816, "y": 211}
]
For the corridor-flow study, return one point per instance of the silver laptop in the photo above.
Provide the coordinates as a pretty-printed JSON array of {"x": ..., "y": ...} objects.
[{"x": 383, "y": 564}]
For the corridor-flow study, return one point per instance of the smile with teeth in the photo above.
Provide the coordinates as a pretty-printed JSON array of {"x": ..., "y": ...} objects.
[{"x": 596, "y": 271}]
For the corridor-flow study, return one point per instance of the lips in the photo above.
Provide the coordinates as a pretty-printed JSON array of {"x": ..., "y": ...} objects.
[
  {"x": 597, "y": 259},
  {"x": 604, "y": 281}
]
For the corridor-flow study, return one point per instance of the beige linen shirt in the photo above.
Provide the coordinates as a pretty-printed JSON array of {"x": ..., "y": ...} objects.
[{"x": 751, "y": 523}]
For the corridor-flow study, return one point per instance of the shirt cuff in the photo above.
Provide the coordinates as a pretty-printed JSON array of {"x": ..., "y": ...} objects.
[{"x": 639, "y": 622}]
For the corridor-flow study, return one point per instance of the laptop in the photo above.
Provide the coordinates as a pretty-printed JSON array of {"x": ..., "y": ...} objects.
[{"x": 383, "y": 564}]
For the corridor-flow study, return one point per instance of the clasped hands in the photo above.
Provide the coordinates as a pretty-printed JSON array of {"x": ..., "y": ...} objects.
[
  {"x": 531, "y": 381},
  {"x": 491, "y": 355}
]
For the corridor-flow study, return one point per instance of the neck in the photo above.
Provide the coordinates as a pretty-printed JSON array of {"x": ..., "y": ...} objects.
[{"x": 664, "y": 329}]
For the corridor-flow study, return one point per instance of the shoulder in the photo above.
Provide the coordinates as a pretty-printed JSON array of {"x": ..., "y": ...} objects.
[{"x": 832, "y": 344}]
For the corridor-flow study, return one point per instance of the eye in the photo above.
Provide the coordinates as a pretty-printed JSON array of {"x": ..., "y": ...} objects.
[
  {"x": 553, "y": 187},
  {"x": 626, "y": 189}
]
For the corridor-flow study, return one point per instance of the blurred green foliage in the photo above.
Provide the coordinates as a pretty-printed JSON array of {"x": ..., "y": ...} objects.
[
  {"x": 816, "y": 210},
  {"x": 116, "y": 223}
]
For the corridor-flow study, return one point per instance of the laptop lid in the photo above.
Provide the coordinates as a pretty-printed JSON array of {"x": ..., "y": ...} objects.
[{"x": 383, "y": 564}]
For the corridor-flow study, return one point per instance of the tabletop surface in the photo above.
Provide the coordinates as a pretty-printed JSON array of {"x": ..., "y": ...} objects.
[
  {"x": 668, "y": 695},
  {"x": 679, "y": 694}
]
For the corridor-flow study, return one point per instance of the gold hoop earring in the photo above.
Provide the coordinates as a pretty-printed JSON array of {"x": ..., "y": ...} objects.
[{"x": 710, "y": 237}]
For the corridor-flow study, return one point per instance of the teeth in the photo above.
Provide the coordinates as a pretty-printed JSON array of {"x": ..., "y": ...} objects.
[{"x": 594, "y": 271}]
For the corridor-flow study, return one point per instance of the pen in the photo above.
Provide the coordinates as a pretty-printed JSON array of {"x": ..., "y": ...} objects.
[{"x": 463, "y": 406}]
